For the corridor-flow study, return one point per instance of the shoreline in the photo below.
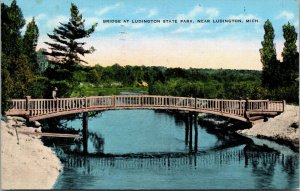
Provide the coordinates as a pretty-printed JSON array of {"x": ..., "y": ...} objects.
[
  {"x": 26, "y": 162},
  {"x": 282, "y": 129}
]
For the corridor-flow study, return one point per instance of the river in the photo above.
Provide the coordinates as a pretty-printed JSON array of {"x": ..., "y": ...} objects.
[{"x": 146, "y": 149}]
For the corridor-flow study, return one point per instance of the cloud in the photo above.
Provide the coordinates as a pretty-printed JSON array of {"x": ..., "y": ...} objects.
[
  {"x": 137, "y": 25},
  {"x": 212, "y": 12},
  {"x": 107, "y": 9},
  {"x": 54, "y": 22},
  {"x": 103, "y": 26},
  {"x": 197, "y": 10},
  {"x": 83, "y": 10},
  {"x": 37, "y": 18},
  {"x": 40, "y": 16},
  {"x": 152, "y": 12},
  {"x": 161, "y": 25},
  {"x": 140, "y": 10},
  {"x": 92, "y": 20},
  {"x": 243, "y": 16},
  {"x": 191, "y": 28},
  {"x": 191, "y": 14},
  {"x": 286, "y": 15}
]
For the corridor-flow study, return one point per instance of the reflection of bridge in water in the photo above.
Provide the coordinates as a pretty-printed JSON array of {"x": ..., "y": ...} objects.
[{"x": 92, "y": 165}]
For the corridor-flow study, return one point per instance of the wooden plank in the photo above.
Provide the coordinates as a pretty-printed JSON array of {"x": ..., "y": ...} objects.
[{"x": 64, "y": 135}]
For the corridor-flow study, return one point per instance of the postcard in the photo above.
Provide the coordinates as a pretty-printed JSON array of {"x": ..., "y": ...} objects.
[{"x": 111, "y": 94}]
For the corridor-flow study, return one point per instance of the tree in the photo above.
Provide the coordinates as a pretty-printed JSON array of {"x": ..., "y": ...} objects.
[
  {"x": 12, "y": 21},
  {"x": 16, "y": 74},
  {"x": 270, "y": 73},
  {"x": 30, "y": 40},
  {"x": 290, "y": 55},
  {"x": 66, "y": 50},
  {"x": 42, "y": 60}
]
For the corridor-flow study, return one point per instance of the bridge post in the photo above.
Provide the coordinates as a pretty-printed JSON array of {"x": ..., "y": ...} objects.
[
  {"x": 196, "y": 134},
  {"x": 85, "y": 132},
  {"x": 267, "y": 105},
  {"x": 27, "y": 103},
  {"x": 113, "y": 100},
  {"x": 142, "y": 100},
  {"x": 57, "y": 108},
  {"x": 86, "y": 102},
  {"x": 283, "y": 105},
  {"x": 221, "y": 105},
  {"x": 186, "y": 129},
  {"x": 246, "y": 108},
  {"x": 27, "y": 108},
  {"x": 191, "y": 132}
]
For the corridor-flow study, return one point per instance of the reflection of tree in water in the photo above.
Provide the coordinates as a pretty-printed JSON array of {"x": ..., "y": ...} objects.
[
  {"x": 98, "y": 142},
  {"x": 263, "y": 170},
  {"x": 290, "y": 166},
  {"x": 225, "y": 132}
]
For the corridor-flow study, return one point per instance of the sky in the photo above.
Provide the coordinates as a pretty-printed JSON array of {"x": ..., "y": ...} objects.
[{"x": 215, "y": 44}]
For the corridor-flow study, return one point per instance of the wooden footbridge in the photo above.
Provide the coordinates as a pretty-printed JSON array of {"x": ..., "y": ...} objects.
[{"x": 243, "y": 110}]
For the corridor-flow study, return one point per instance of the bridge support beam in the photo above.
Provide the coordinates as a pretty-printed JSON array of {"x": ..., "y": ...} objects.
[
  {"x": 191, "y": 131},
  {"x": 196, "y": 133},
  {"x": 85, "y": 132},
  {"x": 27, "y": 109},
  {"x": 190, "y": 120},
  {"x": 187, "y": 126}
]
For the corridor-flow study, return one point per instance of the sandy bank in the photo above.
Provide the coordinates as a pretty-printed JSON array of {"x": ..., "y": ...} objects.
[
  {"x": 27, "y": 164},
  {"x": 283, "y": 127}
]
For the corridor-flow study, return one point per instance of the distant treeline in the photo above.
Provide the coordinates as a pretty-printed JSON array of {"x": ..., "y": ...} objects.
[{"x": 209, "y": 83}]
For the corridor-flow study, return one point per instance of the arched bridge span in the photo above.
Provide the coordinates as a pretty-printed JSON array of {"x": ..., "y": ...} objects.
[{"x": 243, "y": 110}]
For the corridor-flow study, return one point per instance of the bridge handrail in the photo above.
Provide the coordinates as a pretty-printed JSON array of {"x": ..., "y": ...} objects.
[{"x": 38, "y": 107}]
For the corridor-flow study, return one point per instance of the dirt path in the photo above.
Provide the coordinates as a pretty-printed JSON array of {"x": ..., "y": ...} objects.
[{"x": 26, "y": 163}]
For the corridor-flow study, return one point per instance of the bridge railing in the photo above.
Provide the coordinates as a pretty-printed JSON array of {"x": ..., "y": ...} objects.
[
  {"x": 37, "y": 107},
  {"x": 18, "y": 104},
  {"x": 266, "y": 105},
  {"x": 236, "y": 107}
]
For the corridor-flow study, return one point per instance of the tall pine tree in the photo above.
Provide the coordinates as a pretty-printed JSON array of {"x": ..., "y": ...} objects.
[
  {"x": 16, "y": 73},
  {"x": 30, "y": 40},
  {"x": 290, "y": 55},
  {"x": 66, "y": 49},
  {"x": 270, "y": 73}
]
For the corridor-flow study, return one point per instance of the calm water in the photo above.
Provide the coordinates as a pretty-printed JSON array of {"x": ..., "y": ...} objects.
[{"x": 147, "y": 150}]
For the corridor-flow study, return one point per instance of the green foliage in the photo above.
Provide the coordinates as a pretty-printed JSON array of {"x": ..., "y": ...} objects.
[
  {"x": 208, "y": 89},
  {"x": 30, "y": 40},
  {"x": 281, "y": 79},
  {"x": 42, "y": 61},
  {"x": 39, "y": 87},
  {"x": 66, "y": 49},
  {"x": 290, "y": 55},
  {"x": 270, "y": 76},
  {"x": 93, "y": 77},
  {"x": 66, "y": 52},
  {"x": 16, "y": 72},
  {"x": 12, "y": 21},
  {"x": 80, "y": 76}
]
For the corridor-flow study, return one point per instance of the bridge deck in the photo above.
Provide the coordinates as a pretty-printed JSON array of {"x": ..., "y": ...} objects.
[{"x": 37, "y": 109}]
